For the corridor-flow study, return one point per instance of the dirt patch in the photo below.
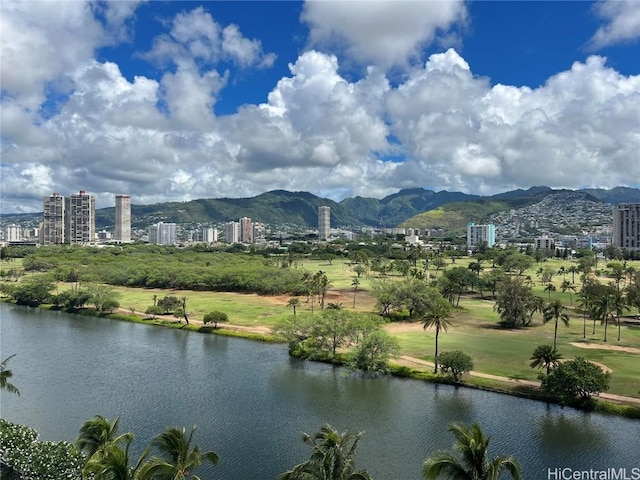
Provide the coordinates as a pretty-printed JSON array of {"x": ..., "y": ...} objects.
[
  {"x": 403, "y": 327},
  {"x": 599, "y": 346}
]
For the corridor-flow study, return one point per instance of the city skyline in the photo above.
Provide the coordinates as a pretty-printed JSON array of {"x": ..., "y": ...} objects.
[{"x": 176, "y": 101}]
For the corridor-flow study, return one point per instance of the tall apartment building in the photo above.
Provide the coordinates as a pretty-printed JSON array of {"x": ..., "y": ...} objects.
[
  {"x": 626, "y": 226},
  {"x": 209, "y": 235},
  {"x": 80, "y": 222},
  {"x": 246, "y": 230},
  {"x": 324, "y": 223},
  {"x": 123, "y": 219},
  {"x": 479, "y": 234},
  {"x": 163, "y": 234},
  {"x": 232, "y": 232},
  {"x": 53, "y": 221}
]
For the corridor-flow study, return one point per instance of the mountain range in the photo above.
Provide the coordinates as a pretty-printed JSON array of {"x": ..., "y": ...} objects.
[{"x": 281, "y": 207}]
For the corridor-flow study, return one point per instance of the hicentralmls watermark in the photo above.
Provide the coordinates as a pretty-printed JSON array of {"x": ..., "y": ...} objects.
[{"x": 593, "y": 474}]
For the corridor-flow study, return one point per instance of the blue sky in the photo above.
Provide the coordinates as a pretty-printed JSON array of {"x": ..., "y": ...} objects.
[{"x": 171, "y": 101}]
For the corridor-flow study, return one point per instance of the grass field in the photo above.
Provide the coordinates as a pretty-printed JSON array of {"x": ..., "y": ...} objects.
[{"x": 473, "y": 326}]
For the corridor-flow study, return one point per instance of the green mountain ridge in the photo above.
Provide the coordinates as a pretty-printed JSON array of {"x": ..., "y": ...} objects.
[{"x": 409, "y": 208}]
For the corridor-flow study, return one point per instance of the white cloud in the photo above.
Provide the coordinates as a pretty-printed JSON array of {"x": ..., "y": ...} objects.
[
  {"x": 160, "y": 140},
  {"x": 580, "y": 128},
  {"x": 195, "y": 35},
  {"x": 381, "y": 32},
  {"x": 622, "y": 23}
]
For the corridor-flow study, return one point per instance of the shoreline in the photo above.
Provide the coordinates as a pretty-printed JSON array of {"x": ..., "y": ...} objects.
[{"x": 628, "y": 407}]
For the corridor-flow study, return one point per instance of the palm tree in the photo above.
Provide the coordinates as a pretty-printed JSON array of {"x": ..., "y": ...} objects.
[
  {"x": 436, "y": 316},
  {"x": 97, "y": 434},
  {"x": 619, "y": 306},
  {"x": 555, "y": 311},
  {"x": 332, "y": 458},
  {"x": 573, "y": 269},
  {"x": 112, "y": 463},
  {"x": 355, "y": 282},
  {"x": 545, "y": 356},
  {"x": 604, "y": 308},
  {"x": 474, "y": 464},
  {"x": 566, "y": 285},
  {"x": 5, "y": 375},
  {"x": 177, "y": 456},
  {"x": 585, "y": 306},
  {"x": 294, "y": 302},
  {"x": 550, "y": 287}
]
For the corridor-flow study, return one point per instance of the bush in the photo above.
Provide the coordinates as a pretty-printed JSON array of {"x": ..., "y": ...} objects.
[
  {"x": 576, "y": 381},
  {"x": 22, "y": 452},
  {"x": 215, "y": 317},
  {"x": 455, "y": 363}
]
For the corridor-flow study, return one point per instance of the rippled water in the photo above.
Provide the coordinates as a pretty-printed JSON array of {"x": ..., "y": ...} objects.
[{"x": 251, "y": 401}]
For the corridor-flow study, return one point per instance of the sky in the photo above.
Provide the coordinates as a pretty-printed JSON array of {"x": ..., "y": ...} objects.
[{"x": 174, "y": 101}]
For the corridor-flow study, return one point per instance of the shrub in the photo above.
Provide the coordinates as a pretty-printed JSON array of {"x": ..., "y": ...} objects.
[
  {"x": 455, "y": 363},
  {"x": 576, "y": 380},
  {"x": 215, "y": 317}
]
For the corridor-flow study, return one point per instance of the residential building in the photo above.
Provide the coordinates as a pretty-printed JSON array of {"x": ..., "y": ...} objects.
[
  {"x": 123, "y": 219},
  {"x": 626, "y": 226},
  {"x": 259, "y": 232},
  {"x": 246, "y": 230},
  {"x": 163, "y": 234},
  {"x": 479, "y": 234},
  {"x": 12, "y": 233},
  {"x": 543, "y": 243},
  {"x": 324, "y": 223},
  {"x": 52, "y": 231},
  {"x": 209, "y": 235},
  {"x": 232, "y": 232},
  {"x": 80, "y": 218}
]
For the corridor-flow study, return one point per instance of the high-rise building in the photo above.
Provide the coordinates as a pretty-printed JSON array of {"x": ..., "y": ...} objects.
[
  {"x": 53, "y": 220},
  {"x": 246, "y": 230},
  {"x": 232, "y": 232},
  {"x": 80, "y": 221},
  {"x": 324, "y": 223},
  {"x": 479, "y": 234},
  {"x": 209, "y": 235},
  {"x": 123, "y": 219},
  {"x": 626, "y": 226}
]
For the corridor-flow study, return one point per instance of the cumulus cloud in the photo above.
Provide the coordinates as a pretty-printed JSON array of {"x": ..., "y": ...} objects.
[
  {"x": 160, "y": 139},
  {"x": 382, "y": 32},
  {"x": 580, "y": 128},
  {"x": 196, "y": 36},
  {"x": 622, "y": 23}
]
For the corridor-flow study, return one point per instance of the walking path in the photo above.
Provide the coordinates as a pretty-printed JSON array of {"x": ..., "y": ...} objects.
[{"x": 407, "y": 361}]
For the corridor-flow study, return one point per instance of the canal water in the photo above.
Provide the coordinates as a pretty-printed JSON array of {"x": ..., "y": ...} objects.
[{"x": 251, "y": 401}]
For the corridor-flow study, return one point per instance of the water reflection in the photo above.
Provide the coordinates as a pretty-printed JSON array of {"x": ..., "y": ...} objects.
[{"x": 554, "y": 431}]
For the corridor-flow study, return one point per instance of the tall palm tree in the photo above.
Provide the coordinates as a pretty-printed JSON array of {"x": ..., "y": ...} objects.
[
  {"x": 619, "y": 306},
  {"x": 550, "y": 287},
  {"x": 177, "y": 456},
  {"x": 473, "y": 464},
  {"x": 566, "y": 285},
  {"x": 604, "y": 307},
  {"x": 545, "y": 356},
  {"x": 554, "y": 311},
  {"x": 5, "y": 375},
  {"x": 355, "y": 282},
  {"x": 294, "y": 302},
  {"x": 436, "y": 316},
  {"x": 332, "y": 458},
  {"x": 585, "y": 306}
]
